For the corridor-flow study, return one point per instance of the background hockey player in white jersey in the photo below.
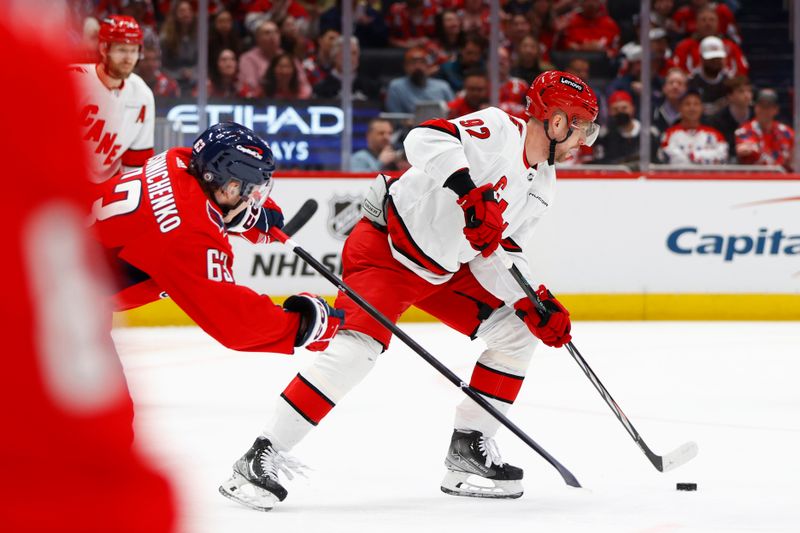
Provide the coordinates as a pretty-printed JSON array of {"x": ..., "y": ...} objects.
[
  {"x": 476, "y": 182},
  {"x": 117, "y": 106}
]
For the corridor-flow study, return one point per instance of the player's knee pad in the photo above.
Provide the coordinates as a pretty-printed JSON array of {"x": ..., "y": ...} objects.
[
  {"x": 509, "y": 342},
  {"x": 348, "y": 359}
]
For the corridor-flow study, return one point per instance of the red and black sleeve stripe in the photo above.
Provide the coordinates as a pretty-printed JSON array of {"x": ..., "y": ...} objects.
[
  {"x": 307, "y": 400},
  {"x": 495, "y": 384}
]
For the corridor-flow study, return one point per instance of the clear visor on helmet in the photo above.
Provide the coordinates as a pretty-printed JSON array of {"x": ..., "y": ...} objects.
[
  {"x": 589, "y": 130},
  {"x": 257, "y": 194}
]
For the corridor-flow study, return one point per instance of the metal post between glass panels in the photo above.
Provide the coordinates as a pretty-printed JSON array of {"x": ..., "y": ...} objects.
[
  {"x": 202, "y": 64},
  {"x": 645, "y": 107},
  {"x": 494, "y": 44},
  {"x": 347, "y": 84}
]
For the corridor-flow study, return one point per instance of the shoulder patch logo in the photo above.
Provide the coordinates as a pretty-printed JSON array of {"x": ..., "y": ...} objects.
[{"x": 215, "y": 217}]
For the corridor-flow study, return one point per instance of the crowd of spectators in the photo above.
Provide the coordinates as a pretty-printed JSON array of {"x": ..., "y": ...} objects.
[{"x": 702, "y": 101}]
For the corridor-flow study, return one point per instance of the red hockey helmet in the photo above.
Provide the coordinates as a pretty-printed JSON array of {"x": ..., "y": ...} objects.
[
  {"x": 120, "y": 29},
  {"x": 555, "y": 90}
]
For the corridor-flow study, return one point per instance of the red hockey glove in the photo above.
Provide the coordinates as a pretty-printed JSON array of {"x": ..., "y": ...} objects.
[
  {"x": 553, "y": 328},
  {"x": 483, "y": 219},
  {"x": 319, "y": 322},
  {"x": 266, "y": 217}
]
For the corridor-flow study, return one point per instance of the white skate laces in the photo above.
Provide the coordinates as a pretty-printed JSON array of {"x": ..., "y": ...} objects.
[
  {"x": 488, "y": 447},
  {"x": 273, "y": 461}
]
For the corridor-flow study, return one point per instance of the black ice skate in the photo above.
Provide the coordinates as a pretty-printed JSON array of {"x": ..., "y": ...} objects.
[
  {"x": 471, "y": 455},
  {"x": 255, "y": 476}
]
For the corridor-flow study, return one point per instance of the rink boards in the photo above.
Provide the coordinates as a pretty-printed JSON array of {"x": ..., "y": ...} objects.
[{"x": 617, "y": 247}]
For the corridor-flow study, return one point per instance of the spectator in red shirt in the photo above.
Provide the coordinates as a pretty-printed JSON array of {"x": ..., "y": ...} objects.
[
  {"x": 512, "y": 90},
  {"x": 687, "y": 52},
  {"x": 590, "y": 29},
  {"x": 282, "y": 80},
  {"x": 685, "y": 19},
  {"x": 149, "y": 68},
  {"x": 319, "y": 65},
  {"x": 764, "y": 140},
  {"x": 411, "y": 23},
  {"x": 689, "y": 142},
  {"x": 474, "y": 97}
]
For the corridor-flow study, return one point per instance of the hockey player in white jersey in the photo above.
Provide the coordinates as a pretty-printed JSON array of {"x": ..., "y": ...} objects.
[
  {"x": 427, "y": 239},
  {"x": 117, "y": 106}
]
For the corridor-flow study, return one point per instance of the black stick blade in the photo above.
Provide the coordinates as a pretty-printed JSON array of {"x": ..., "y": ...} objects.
[{"x": 300, "y": 218}]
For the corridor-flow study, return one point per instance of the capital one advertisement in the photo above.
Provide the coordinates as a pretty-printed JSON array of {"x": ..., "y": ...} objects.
[{"x": 626, "y": 236}]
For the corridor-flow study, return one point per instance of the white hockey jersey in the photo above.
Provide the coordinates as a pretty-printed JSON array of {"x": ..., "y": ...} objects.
[
  {"x": 118, "y": 123},
  {"x": 425, "y": 221}
]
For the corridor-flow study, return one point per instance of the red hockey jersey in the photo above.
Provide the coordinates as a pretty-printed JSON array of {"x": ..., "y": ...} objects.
[{"x": 164, "y": 238}]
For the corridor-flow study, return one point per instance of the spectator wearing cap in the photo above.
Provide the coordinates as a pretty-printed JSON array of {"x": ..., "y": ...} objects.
[
  {"x": 590, "y": 29},
  {"x": 689, "y": 142},
  {"x": 619, "y": 142},
  {"x": 737, "y": 111},
  {"x": 710, "y": 79},
  {"x": 474, "y": 97},
  {"x": 688, "y": 55},
  {"x": 404, "y": 93},
  {"x": 764, "y": 140}
]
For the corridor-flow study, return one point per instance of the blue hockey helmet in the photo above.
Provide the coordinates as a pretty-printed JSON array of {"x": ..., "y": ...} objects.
[{"x": 230, "y": 152}]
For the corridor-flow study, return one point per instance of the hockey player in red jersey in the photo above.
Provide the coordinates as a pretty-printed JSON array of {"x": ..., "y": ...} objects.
[
  {"x": 67, "y": 456},
  {"x": 427, "y": 239},
  {"x": 117, "y": 106},
  {"x": 165, "y": 230}
]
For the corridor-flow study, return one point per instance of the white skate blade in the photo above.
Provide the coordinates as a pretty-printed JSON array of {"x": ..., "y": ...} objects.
[
  {"x": 465, "y": 484},
  {"x": 238, "y": 489}
]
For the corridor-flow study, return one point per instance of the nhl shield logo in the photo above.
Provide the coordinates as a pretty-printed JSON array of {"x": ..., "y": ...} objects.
[{"x": 345, "y": 212}]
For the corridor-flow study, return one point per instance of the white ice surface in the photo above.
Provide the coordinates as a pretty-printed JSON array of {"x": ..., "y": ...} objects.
[{"x": 377, "y": 458}]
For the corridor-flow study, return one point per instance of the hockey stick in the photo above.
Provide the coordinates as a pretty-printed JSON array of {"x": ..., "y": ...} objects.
[
  {"x": 300, "y": 218},
  {"x": 569, "y": 479},
  {"x": 663, "y": 463}
]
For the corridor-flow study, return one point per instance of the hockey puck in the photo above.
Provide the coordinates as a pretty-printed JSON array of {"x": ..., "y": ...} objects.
[{"x": 686, "y": 486}]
